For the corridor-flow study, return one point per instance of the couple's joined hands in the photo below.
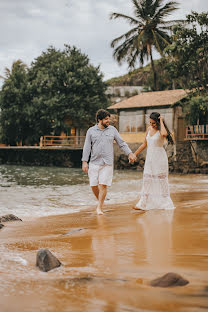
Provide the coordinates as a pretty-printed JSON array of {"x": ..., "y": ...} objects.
[{"x": 132, "y": 157}]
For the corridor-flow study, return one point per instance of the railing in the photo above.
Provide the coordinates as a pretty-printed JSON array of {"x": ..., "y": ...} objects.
[
  {"x": 62, "y": 141},
  {"x": 197, "y": 132}
]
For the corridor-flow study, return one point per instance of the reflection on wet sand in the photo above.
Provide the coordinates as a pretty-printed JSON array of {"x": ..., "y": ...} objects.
[
  {"x": 156, "y": 227},
  {"x": 104, "y": 247}
]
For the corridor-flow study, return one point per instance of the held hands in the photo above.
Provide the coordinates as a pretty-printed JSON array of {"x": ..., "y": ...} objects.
[
  {"x": 132, "y": 157},
  {"x": 85, "y": 166}
]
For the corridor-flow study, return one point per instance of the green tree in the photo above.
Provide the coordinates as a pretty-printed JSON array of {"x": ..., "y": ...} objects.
[
  {"x": 188, "y": 64},
  {"x": 150, "y": 31},
  {"x": 197, "y": 110},
  {"x": 13, "y": 103},
  {"x": 59, "y": 85},
  {"x": 188, "y": 61},
  {"x": 64, "y": 85}
]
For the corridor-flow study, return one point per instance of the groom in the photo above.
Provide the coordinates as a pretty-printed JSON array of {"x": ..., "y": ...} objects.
[{"x": 99, "y": 147}]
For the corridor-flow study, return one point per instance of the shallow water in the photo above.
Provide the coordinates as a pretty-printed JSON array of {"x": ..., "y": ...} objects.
[{"x": 41, "y": 191}]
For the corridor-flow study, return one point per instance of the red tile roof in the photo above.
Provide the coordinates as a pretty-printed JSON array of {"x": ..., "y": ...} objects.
[{"x": 151, "y": 99}]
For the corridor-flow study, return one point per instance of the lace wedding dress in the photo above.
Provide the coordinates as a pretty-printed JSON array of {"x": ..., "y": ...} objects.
[{"x": 155, "y": 189}]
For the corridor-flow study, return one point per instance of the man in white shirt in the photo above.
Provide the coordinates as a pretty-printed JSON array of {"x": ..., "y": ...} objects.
[{"x": 99, "y": 147}]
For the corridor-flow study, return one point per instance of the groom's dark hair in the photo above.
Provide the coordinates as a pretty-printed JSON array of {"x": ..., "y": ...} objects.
[{"x": 101, "y": 114}]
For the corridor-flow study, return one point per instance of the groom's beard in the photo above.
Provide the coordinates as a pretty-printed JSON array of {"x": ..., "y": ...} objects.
[{"x": 104, "y": 124}]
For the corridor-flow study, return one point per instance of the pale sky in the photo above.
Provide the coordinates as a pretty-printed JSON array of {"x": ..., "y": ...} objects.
[{"x": 29, "y": 27}]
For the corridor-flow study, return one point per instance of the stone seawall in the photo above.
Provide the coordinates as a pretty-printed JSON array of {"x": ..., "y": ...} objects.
[
  {"x": 184, "y": 157},
  {"x": 40, "y": 156},
  {"x": 201, "y": 149}
]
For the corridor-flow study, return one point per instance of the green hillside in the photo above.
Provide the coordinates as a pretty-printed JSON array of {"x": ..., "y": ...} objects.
[
  {"x": 143, "y": 77},
  {"x": 137, "y": 77}
]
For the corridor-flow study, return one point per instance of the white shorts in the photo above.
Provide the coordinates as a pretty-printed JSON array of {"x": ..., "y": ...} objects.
[{"x": 100, "y": 174}]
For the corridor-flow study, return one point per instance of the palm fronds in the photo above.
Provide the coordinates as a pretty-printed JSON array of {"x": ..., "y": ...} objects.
[{"x": 151, "y": 30}]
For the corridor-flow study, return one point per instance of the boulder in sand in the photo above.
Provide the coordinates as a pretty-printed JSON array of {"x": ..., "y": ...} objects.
[
  {"x": 46, "y": 261},
  {"x": 9, "y": 217},
  {"x": 1, "y": 226},
  {"x": 169, "y": 280}
]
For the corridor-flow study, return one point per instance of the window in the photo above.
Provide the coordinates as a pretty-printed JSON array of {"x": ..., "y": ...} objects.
[{"x": 131, "y": 121}]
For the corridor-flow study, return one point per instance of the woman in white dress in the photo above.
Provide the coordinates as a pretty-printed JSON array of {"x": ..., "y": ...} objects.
[{"x": 155, "y": 189}]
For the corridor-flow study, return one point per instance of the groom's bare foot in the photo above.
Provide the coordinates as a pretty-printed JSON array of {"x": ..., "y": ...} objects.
[{"x": 99, "y": 211}]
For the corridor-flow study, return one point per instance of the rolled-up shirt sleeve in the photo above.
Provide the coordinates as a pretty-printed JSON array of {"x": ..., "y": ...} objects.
[
  {"x": 87, "y": 147},
  {"x": 123, "y": 145}
]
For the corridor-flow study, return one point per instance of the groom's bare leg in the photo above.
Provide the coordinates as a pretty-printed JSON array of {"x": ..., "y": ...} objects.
[
  {"x": 101, "y": 198},
  {"x": 95, "y": 191}
]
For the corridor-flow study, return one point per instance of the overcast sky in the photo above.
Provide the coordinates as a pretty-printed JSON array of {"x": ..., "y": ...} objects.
[{"x": 29, "y": 27}]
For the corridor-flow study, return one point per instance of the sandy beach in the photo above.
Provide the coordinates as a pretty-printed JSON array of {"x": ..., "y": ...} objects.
[{"x": 108, "y": 261}]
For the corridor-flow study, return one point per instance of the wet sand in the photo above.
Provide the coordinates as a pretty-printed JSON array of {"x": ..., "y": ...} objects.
[{"x": 108, "y": 261}]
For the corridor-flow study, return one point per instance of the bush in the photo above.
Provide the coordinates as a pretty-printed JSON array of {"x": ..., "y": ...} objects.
[
  {"x": 127, "y": 94},
  {"x": 134, "y": 92}
]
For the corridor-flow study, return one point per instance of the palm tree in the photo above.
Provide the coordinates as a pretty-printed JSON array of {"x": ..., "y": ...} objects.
[
  {"x": 150, "y": 30},
  {"x": 8, "y": 72}
]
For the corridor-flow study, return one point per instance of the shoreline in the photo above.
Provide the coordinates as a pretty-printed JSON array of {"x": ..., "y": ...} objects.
[{"x": 108, "y": 261}]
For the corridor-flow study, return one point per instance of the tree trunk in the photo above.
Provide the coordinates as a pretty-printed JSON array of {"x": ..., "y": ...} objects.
[
  {"x": 153, "y": 70},
  {"x": 173, "y": 84}
]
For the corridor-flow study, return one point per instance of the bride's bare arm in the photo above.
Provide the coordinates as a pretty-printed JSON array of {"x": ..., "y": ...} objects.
[{"x": 142, "y": 147}]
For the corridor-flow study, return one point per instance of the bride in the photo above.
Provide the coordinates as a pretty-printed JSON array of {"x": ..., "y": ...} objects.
[{"x": 155, "y": 189}]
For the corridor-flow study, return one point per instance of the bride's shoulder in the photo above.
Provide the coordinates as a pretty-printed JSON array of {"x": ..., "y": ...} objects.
[{"x": 148, "y": 129}]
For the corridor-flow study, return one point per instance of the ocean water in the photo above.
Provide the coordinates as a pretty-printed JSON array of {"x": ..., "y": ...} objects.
[{"x": 39, "y": 191}]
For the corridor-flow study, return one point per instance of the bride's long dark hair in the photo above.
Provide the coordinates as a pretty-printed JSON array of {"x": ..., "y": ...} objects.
[{"x": 155, "y": 116}]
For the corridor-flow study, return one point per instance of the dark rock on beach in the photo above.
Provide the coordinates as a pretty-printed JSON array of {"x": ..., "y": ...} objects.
[
  {"x": 9, "y": 217},
  {"x": 46, "y": 261},
  {"x": 169, "y": 280},
  {"x": 1, "y": 226}
]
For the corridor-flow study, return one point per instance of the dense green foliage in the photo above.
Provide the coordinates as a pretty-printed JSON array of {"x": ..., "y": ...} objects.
[
  {"x": 59, "y": 86},
  {"x": 150, "y": 31},
  {"x": 196, "y": 110},
  {"x": 188, "y": 62},
  {"x": 14, "y": 104}
]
